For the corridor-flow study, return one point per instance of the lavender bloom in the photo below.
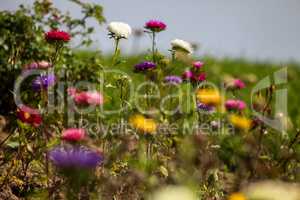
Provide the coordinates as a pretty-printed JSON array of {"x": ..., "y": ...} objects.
[
  {"x": 204, "y": 107},
  {"x": 43, "y": 82},
  {"x": 75, "y": 158},
  {"x": 143, "y": 66},
  {"x": 173, "y": 80}
]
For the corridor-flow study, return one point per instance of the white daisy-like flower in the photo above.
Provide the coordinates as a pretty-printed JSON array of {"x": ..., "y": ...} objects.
[
  {"x": 178, "y": 44},
  {"x": 119, "y": 29},
  {"x": 174, "y": 193}
]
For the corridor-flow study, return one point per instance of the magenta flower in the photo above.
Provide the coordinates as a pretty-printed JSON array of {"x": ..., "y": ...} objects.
[
  {"x": 238, "y": 84},
  {"x": 201, "y": 77},
  {"x": 155, "y": 25},
  {"x": 86, "y": 97},
  {"x": 38, "y": 65},
  {"x": 187, "y": 75},
  {"x": 73, "y": 134},
  {"x": 57, "y": 36},
  {"x": 233, "y": 104},
  {"x": 198, "y": 64}
]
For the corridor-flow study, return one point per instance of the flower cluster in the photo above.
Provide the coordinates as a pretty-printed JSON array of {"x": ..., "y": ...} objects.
[
  {"x": 29, "y": 115},
  {"x": 42, "y": 82},
  {"x": 143, "y": 124},
  {"x": 56, "y": 35},
  {"x": 155, "y": 25},
  {"x": 86, "y": 97},
  {"x": 195, "y": 74}
]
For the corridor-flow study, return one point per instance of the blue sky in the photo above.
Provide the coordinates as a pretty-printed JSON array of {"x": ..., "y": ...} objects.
[{"x": 255, "y": 29}]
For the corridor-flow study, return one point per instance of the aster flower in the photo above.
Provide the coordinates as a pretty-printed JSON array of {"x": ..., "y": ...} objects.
[
  {"x": 240, "y": 122},
  {"x": 204, "y": 107},
  {"x": 29, "y": 115},
  {"x": 74, "y": 157},
  {"x": 187, "y": 75},
  {"x": 173, "y": 80},
  {"x": 43, "y": 82},
  {"x": 209, "y": 96},
  {"x": 144, "y": 66},
  {"x": 181, "y": 45},
  {"x": 86, "y": 97},
  {"x": 143, "y": 124},
  {"x": 233, "y": 104},
  {"x": 119, "y": 30},
  {"x": 155, "y": 25},
  {"x": 56, "y": 35},
  {"x": 239, "y": 84},
  {"x": 198, "y": 64},
  {"x": 199, "y": 78},
  {"x": 73, "y": 134}
]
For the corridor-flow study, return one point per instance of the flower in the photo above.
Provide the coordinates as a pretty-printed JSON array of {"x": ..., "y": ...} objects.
[
  {"x": 233, "y": 104},
  {"x": 86, "y": 97},
  {"x": 182, "y": 45},
  {"x": 73, "y": 134},
  {"x": 187, "y": 75},
  {"x": 38, "y": 65},
  {"x": 237, "y": 196},
  {"x": 174, "y": 193},
  {"x": 143, "y": 66},
  {"x": 43, "y": 82},
  {"x": 198, "y": 64},
  {"x": 238, "y": 84},
  {"x": 210, "y": 97},
  {"x": 29, "y": 115},
  {"x": 74, "y": 157},
  {"x": 142, "y": 124},
  {"x": 204, "y": 107},
  {"x": 119, "y": 29},
  {"x": 240, "y": 122},
  {"x": 155, "y": 25},
  {"x": 173, "y": 80},
  {"x": 56, "y": 35},
  {"x": 201, "y": 77}
]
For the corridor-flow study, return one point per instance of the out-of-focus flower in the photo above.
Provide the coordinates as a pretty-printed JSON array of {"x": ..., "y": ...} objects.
[
  {"x": 29, "y": 115},
  {"x": 38, "y": 65},
  {"x": 143, "y": 124},
  {"x": 43, "y": 82},
  {"x": 199, "y": 78},
  {"x": 187, "y": 75},
  {"x": 57, "y": 36},
  {"x": 119, "y": 29},
  {"x": 144, "y": 66},
  {"x": 210, "y": 97},
  {"x": 72, "y": 91},
  {"x": 181, "y": 45},
  {"x": 272, "y": 190},
  {"x": 73, "y": 134},
  {"x": 240, "y": 122},
  {"x": 86, "y": 97},
  {"x": 173, "y": 80},
  {"x": 174, "y": 193},
  {"x": 233, "y": 104},
  {"x": 198, "y": 64},
  {"x": 237, "y": 84},
  {"x": 237, "y": 196},
  {"x": 74, "y": 157},
  {"x": 204, "y": 107},
  {"x": 155, "y": 25}
]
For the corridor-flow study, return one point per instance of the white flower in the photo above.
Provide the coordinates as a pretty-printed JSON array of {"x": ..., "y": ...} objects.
[
  {"x": 119, "y": 29},
  {"x": 174, "y": 193},
  {"x": 178, "y": 44}
]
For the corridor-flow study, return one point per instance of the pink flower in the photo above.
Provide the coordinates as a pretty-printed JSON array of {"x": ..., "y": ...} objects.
[
  {"x": 201, "y": 77},
  {"x": 38, "y": 65},
  {"x": 198, "y": 64},
  {"x": 187, "y": 75},
  {"x": 94, "y": 98},
  {"x": 57, "y": 36},
  {"x": 233, "y": 104},
  {"x": 238, "y": 84},
  {"x": 86, "y": 97},
  {"x": 73, "y": 134},
  {"x": 72, "y": 91},
  {"x": 155, "y": 25}
]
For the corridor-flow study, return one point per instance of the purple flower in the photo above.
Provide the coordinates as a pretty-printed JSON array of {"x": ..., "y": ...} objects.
[
  {"x": 204, "y": 107},
  {"x": 43, "y": 82},
  {"x": 70, "y": 157},
  {"x": 173, "y": 80},
  {"x": 144, "y": 66},
  {"x": 155, "y": 25}
]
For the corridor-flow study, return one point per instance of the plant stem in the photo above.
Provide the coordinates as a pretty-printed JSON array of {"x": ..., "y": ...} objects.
[{"x": 153, "y": 46}]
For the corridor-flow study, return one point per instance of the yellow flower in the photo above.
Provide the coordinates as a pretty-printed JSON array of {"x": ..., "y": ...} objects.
[
  {"x": 240, "y": 122},
  {"x": 237, "y": 196},
  {"x": 209, "y": 96},
  {"x": 142, "y": 124}
]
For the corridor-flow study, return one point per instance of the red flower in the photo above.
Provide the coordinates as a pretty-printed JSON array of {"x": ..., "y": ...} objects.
[
  {"x": 73, "y": 134},
  {"x": 155, "y": 25},
  {"x": 29, "y": 115},
  {"x": 57, "y": 35}
]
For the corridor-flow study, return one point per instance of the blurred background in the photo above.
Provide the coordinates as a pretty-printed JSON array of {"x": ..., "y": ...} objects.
[{"x": 256, "y": 30}]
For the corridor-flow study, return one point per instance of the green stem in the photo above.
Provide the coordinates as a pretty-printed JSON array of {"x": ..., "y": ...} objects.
[{"x": 153, "y": 46}]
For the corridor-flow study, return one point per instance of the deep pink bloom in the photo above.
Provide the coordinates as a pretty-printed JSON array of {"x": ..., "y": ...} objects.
[
  {"x": 86, "y": 97},
  {"x": 238, "y": 84},
  {"x": 72, "y": 91},
  {"x": 94, "y": 98},
  {"x": 57, "y": 35},
  {"x": 155, "y": 25},
  {"x": 29, "y": 115},
  {"x": 187, "y": 75},
  {"x": 73, "y": 134},
  {"x": 201, "y": 77},
  {"x": 37, "y": 65},
  {"x": 233, "y": 104},
  {"x": 198, "y": 64}
]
